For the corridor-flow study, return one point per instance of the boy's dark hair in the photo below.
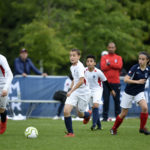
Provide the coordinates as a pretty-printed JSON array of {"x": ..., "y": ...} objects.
[
  {"x": 77, "y": 51},
  {"x": 91, "y": 56}
]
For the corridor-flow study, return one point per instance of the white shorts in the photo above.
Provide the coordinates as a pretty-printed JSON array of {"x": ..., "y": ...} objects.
[
  {"x": 3, "y": 101},
  {"x": 96, "y": 97},
  {"x": 126, "y": 101},
  {"x": 79, "y": 101}
]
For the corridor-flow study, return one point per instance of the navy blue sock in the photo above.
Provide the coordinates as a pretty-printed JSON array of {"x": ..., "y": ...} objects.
[
  {"x": 3, "y": 116},
  {"x": 68, "y": 123},
  {"x": 86, "y": 114},
  {"x": 95, "y": 116},
  {"x": 99, "y": 122}
]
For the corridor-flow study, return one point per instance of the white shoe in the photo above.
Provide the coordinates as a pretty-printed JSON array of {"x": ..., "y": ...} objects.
[{"x": 56, "y": 118}]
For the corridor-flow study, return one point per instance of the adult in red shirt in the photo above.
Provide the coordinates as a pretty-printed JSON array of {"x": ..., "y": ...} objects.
[{"x": 111, "y": 65}]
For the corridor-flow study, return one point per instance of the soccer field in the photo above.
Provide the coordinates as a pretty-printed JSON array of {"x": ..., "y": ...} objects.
[{"x": 51, "y": 136}]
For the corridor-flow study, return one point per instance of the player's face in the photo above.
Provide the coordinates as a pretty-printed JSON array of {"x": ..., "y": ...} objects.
[
  {"x": 90, "y": 63},
  {"x": 111, "y": 48},
  {"x": 74, "y": 57},
  {"x": 143, "y": 60}
]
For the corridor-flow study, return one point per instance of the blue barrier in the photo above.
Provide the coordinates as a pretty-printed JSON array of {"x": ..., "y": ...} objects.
[{"x": 43, "y": 88}]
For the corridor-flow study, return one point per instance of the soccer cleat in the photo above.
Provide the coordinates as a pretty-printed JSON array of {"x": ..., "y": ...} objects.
[
  {"x": 3, "y": 126},
  {"x": 105, "y": 120},
  {"x": 69, "y": 135},
  {"x": 94, "y": 128},
  {"x": 99, "y": 128},
  {"x": 145, "y": 131},
  {"x": 113, "y": 132},
  {"x": 56, "y": 118},
  {"x": 86, "y": 120}
]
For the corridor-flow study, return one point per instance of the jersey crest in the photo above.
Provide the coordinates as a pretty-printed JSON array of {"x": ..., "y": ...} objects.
[
  {"x": 94, "y": 76},
  {"x": 116, "y": 60}
]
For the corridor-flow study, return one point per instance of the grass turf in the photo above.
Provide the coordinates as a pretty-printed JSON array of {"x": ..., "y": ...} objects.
[{"x": 51, "y": 136}]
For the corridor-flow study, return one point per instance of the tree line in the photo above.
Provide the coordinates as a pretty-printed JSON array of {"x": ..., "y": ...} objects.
[{"x": 49, "y": 29}]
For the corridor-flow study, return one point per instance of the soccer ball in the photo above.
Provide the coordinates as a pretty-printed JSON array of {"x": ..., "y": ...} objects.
[{"x": 31, "y": 132}]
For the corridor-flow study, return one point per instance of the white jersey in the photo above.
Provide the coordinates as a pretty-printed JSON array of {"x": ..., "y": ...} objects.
[
  {"x": 67, "y": 84},
  {"x": 6, "y": 75},
  {"x": 78, "y": 72},
  {"x": 95, "y": 79}
]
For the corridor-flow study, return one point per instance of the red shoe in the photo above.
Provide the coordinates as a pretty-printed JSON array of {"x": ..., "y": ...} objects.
[
  {"x": 86, "y": 120},
  {"x": 69, "y": 135},
  {"x": 3, "y": 126}
]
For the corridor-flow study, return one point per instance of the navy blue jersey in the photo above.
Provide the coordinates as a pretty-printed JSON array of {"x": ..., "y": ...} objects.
[{"x": 136, "y": 74}]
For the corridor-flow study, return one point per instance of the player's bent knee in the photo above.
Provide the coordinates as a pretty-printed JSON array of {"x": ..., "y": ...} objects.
[
  {"x": 145, "y": 109},
  {"x": 66, "y": 113},
  {"x": 2, "y": 110},
  {"x": 95, "y": 105}
]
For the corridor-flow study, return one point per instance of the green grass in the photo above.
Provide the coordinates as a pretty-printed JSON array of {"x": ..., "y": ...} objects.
[{"x": 51, "y": 136}]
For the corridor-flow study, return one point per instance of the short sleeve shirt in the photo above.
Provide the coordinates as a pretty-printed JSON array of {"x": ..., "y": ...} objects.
[
  {"x": 95, "y": 78},
  {"x": 136, "y": 74},
  {"x": 78, "y": 72}
]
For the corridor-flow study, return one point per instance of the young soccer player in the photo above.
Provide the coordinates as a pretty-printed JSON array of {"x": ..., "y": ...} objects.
[
  {"x": 134, "y": 91},
  {"x": 95, "y": 78},
  {"x": 5, "y": 81},
  {"x": 79, "y": 94}
]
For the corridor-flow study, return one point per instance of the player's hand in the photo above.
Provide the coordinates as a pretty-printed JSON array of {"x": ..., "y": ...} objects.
[
  {"x": 4, "y": 93},
  {"x": 44, "y": 74},
  {"x": 141, "y": 81},
  {"x": 69, "y": 93},
  {"x": 24, "y": 74},
  {"x": 107, "y": 62},
  {"x": 113, "y": 93}
]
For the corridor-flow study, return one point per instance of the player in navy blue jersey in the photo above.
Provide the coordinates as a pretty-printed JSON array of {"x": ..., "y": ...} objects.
[{"x": 134, "y": 91}]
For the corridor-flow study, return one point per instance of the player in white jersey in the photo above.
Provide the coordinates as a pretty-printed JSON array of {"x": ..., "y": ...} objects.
[
  {"x": 79, "y": 94},
  {"x": 6, "y": 77},
  {"x": 95, "y": 78}
]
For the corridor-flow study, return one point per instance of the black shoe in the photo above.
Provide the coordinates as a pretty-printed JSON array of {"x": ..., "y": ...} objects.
[
  {"x": 105, "y": 120},
  {"x": 94, "y": 128},
  {"x": 113, "y": 132},
  {"x": 145, "y": 131},
  {"x": 99, "y": 128}
]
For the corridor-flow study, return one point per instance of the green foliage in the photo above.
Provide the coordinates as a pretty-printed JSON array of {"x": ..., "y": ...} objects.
[
  {"x": 49, "y": 29},
  {"x": 43, "y": 43}
]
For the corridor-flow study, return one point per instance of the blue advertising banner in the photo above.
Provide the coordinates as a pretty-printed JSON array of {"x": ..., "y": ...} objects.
[
  {"x": 43, "y": 88},
  {"x": 35, "y": 88}
]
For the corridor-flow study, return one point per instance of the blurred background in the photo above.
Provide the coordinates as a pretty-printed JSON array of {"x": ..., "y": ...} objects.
[{"x": 48, "y": 29}]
